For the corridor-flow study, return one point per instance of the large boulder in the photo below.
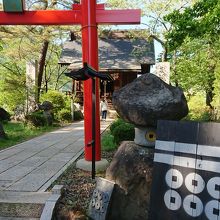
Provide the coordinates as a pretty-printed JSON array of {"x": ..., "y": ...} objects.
[
  {"x": 46, "y": 106},
  {"x": 4, "y": 115},
  {"x": 2, "y": 132},
  {"x": 131, "y": 170},
  {"x": 148, "y": 99}
]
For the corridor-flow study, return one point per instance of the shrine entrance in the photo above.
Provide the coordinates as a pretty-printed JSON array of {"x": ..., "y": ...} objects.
[{"x": 89, "y": 15}]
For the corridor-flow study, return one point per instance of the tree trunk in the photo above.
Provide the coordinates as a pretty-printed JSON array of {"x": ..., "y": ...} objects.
[
  {"x": 211, "y": 71},
  {"x": 165, "y": 54},
  {"x": 164, "y": 57},
  {"x": 209, "y": 98},
  {"x": 174, "y": 68},
  {"x": 2, "y": 132},
  {"x": 209, "y": 91},
  {"x": 41, "y": 67}
]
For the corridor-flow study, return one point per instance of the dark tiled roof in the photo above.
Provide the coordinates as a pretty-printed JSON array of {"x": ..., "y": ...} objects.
[{"x": 114, "y": 54}]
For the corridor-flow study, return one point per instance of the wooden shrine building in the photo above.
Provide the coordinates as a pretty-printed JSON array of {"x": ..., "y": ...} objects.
[{"x": 120, "y": 54}]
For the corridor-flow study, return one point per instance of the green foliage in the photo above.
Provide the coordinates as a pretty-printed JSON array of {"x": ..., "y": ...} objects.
[
  {"x": 36, "y": 119},
  {"x": 123, "y": 132},
  {"x": 12, "y": 81},
  {"x": 198, "y": 111},
  {"x": 65, "y": 115},
  {"x": 199, "y": 114},
  {"x": 78, "y": 115},
  {"x": 115, "y": 124},
  {"x": 196, "y": 21},
  {"x": 216, "y": 99},
  {"x": 107, "y": 142},
  {"x": 194, "y": 65},
  {"x": 68, "y": 102},
  {"x": 56, "y": 98}
]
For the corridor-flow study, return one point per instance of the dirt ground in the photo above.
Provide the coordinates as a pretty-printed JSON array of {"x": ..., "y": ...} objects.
[{"x": 78, "y": 188}]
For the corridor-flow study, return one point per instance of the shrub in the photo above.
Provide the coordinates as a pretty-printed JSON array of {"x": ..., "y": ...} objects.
[
  {"x": 108, "y": 143},
  {"x": 78, "y": 115},
  {"x": 65, "y": 115},
  {"x": 122, "y": 132},
  {"x": 56, "y": 98},
  {"x": 36, "y": 119},
  {"x": 116, "y": 123}
]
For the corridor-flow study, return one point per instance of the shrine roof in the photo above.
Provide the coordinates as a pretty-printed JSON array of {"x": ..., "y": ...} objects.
[{"x": 116, "y": 52}]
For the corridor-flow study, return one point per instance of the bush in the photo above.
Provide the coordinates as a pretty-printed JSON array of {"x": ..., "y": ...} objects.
[
  {"x": 116, "y": 123},
  {"x": 122, "y": 132},
  {"x": 36, "y": 119},
  {"x": 108, "y": 143},
  {"x": 56, "y": 98},
  {"x": 65, "y": 115},
  {"x": 78, "y": 115}
]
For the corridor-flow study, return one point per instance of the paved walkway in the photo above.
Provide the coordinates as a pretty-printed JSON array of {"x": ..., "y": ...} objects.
[{"x": 33, "y": 165}]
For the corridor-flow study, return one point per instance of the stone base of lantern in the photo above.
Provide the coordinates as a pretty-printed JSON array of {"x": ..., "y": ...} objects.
[
  {"x": 87, "y": 165},
  {"x": 145, "y": 136}
]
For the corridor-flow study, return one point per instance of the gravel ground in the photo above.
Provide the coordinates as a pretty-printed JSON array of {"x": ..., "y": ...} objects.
[{"x": 78, "y": 188}]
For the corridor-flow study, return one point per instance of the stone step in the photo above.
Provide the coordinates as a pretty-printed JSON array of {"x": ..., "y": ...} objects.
[
  {"x": 21, "y": 210},
  {"x": 29, "y": 205},
  {"x": 16, "y": 218},
  {"x": 24, "y": 197},
  {"x": 22, "y": 205}
]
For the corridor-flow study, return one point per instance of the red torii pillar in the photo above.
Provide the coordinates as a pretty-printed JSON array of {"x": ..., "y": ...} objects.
[{"x": 88, "y": 14}]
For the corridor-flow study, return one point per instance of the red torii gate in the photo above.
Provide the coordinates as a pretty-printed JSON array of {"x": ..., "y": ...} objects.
[{"x": 88, "y": 14}]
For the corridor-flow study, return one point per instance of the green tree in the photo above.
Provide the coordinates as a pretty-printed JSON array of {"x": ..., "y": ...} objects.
[
  {"x": 12, "y": 77},
  {"x": 193, "y": 66},
  {"x": 38, "y": 42},
  {"x": 200, "y": 22}
]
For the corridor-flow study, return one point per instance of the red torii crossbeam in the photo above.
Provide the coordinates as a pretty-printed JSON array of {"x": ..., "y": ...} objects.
[{"x": 88, "y": 14}]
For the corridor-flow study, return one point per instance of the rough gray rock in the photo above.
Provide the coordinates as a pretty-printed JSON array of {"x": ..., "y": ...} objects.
[
  {"x": 49, "y": 117},
  {"x": 131, "y": 170},
  {"x": 2, "y": 132},
  {"x": 148, "y": 99},
  {"x": 4, "y": 115},
  {"x": 46, "y": 106}
]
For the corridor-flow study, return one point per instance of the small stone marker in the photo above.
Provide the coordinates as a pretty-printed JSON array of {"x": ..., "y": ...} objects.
[
  {"x": 101, "y": 199},
  {"x": 186, "y": 176},
  {"x": 163, "y": 71},
  {"x": 31, "y": 80}
]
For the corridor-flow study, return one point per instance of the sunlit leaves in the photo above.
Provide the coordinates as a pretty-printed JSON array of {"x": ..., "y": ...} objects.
[{"x": 201, "y": 19}]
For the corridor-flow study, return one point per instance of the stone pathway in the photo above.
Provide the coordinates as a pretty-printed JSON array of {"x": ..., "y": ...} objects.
[{"x": 33, "y": 165}]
